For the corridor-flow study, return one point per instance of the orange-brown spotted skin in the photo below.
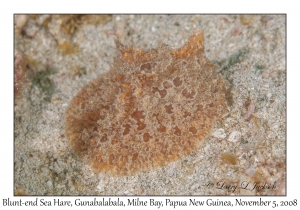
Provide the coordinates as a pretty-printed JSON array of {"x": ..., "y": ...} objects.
[{"x": 150, "y": 109}]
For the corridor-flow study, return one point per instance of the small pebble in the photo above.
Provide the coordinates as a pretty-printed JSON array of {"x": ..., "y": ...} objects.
[
  {"x": 235, "y": 136},
  {"x": 194, "y": 186},
  {"x": 283, "y": 113},
  {"x": 21, "y": 20},
  {"x": 250, "y": 171},
  {"x": 223, "y": 55},
  {"x": 59, "y": 163},
  {"x": 274, "y": 74},
  {"x": 256, "y": 37},
  {"x": 187, "y": 27},
  {"x": 275, "y": 125},
  {"x": 100, "y": 186},
  {"x": 30, "y": 32},
  {"x": 49, "y": 183},
  {"x": 42, "y": 18},
  {"x": 220, "y": 133},
  {"x": 272, "y": 105},
  {"x": 245, "y": 19},
  {"x": 265, "y": 74},
  {"x": 266, "y": 18},
  {"x": 242, "y": 162}
]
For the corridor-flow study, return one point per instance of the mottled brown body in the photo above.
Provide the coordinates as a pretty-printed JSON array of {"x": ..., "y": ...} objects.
[{"x": 151, "y": 108}]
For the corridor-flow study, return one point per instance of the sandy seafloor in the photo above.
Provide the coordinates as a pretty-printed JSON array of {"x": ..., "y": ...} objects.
[{"x": 251, "y": 52}]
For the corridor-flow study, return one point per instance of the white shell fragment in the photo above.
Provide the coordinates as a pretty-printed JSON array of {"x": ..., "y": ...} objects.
[
  {"x": 235, "y": 136},
  {"x": 220, "y": 133}
]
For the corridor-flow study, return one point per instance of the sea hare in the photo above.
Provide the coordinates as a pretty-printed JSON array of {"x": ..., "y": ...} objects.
[{"x": 151, "y": 108}]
